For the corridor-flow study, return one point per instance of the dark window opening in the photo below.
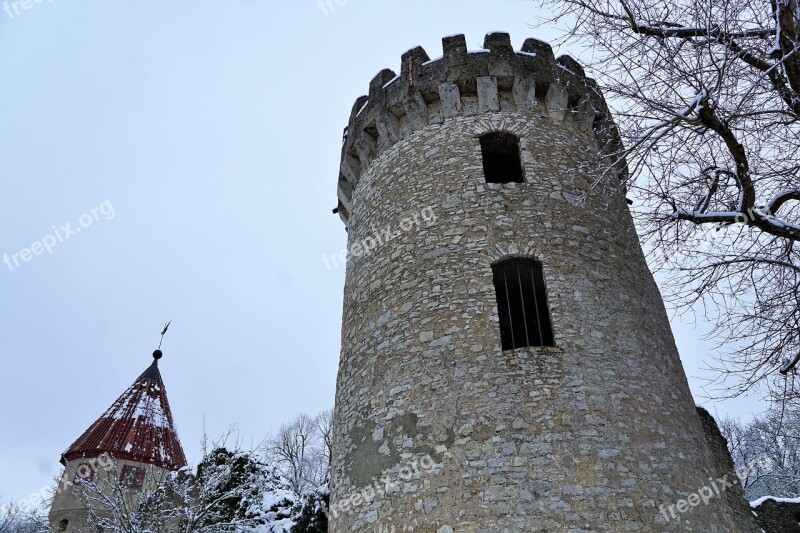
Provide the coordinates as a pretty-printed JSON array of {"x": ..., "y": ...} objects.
[
  {"x": 501, "y": 163},
  {"x": 522, "y": 303},
  {"x": 84, "y": 473},
  {"x": 132, "y": 477},
  {"x": 62, "y": 525}
]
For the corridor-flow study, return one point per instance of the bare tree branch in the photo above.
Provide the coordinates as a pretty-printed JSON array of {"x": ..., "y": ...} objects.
[{"x": 706, "y": 96}]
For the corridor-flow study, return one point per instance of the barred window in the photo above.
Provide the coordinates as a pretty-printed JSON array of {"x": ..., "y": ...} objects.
[
  {"x": 501, "y": 162},
  {"x": 522, "y": 303}
]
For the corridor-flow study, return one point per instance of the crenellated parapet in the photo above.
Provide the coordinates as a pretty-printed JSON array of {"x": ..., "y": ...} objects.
[{"x": 461, "y": 83}]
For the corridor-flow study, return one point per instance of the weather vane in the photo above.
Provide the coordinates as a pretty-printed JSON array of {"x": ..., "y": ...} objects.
[{"x": 166, "y": 327}]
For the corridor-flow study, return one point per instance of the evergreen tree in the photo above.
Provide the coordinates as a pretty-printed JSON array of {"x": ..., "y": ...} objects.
[{"x": 310, "y": 512}]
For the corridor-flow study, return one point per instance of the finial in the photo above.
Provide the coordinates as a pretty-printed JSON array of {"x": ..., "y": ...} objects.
[{"x": 157, "y": 355}]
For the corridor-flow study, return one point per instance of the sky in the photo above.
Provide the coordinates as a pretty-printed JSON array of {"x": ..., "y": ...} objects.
[{"x": 177, "y": 160}]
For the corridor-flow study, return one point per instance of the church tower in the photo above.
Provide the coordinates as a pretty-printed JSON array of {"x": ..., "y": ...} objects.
[
  {"x": 507, "y": 363},
  {"x": 125, "y": 451}
]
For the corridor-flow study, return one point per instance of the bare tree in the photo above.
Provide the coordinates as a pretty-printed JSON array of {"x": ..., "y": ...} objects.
[
  {"x": 706, "y": 94},
  {"x": 324, "y": 426},
  {"x": 16, "y": 519},
  {"x": 301, "y": 450},
  {"x": 112, "y": 505},
  {"x": 766, "y": 452}
]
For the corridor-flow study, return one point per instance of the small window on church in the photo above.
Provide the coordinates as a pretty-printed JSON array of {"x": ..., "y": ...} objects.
[
  {"x": 501, "y": 162},
  {"x": 62, "y": 525},
  {"x": 522, "y": 303},
  {"x": 132, "y": 477}
]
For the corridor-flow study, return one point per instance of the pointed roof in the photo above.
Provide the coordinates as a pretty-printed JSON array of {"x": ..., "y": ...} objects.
[{"x": 137, "y": 427}]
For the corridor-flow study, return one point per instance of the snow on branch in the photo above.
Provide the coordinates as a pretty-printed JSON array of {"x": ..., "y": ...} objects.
[
  {"x": 789, "y": 365},
  {"x": 781, "y": 198}
]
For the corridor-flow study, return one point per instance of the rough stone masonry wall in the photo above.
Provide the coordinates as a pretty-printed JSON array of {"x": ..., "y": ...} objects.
[
  {"x": 593, "y": 434},
  {"x": 724, "y": 466}
]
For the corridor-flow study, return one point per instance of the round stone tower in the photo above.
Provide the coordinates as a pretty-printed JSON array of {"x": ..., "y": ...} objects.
[{"x": 507, "y": 363}]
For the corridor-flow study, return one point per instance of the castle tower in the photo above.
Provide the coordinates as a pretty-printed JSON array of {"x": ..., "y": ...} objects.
[
  {"x": 129, "y": 447},
  {"x": 507, "y": 363}
]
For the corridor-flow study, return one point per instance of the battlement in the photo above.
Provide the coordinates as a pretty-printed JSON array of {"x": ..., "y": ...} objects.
[{"x": 462, "y": 83}]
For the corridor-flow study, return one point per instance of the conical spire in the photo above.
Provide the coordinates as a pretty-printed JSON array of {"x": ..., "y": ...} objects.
[
  {"x": 138, "y": 426},
  {"x": 152, "y": 370}
]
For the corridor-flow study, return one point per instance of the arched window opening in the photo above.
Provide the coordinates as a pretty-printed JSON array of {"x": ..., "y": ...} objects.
[
  {"x": 522, "y": 303},
  {"x": 501, "y": 162},
  {"x": 62, "y": 525}
]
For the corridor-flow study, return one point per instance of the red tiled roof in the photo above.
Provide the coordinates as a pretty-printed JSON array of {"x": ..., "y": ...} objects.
[{"x": 137, "y": 427}]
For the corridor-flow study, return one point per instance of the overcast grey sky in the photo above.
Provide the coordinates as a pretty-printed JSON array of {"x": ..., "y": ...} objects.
[{"x": 195, "y": 144}]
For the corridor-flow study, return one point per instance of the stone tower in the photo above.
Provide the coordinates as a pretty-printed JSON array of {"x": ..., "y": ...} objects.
[
  {"x": 129, "y": 447},
  {"x": 470, "y": 399}
]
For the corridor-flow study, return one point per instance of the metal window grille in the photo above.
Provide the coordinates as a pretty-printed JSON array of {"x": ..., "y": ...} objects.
[{"x": 522, "y": 304}]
